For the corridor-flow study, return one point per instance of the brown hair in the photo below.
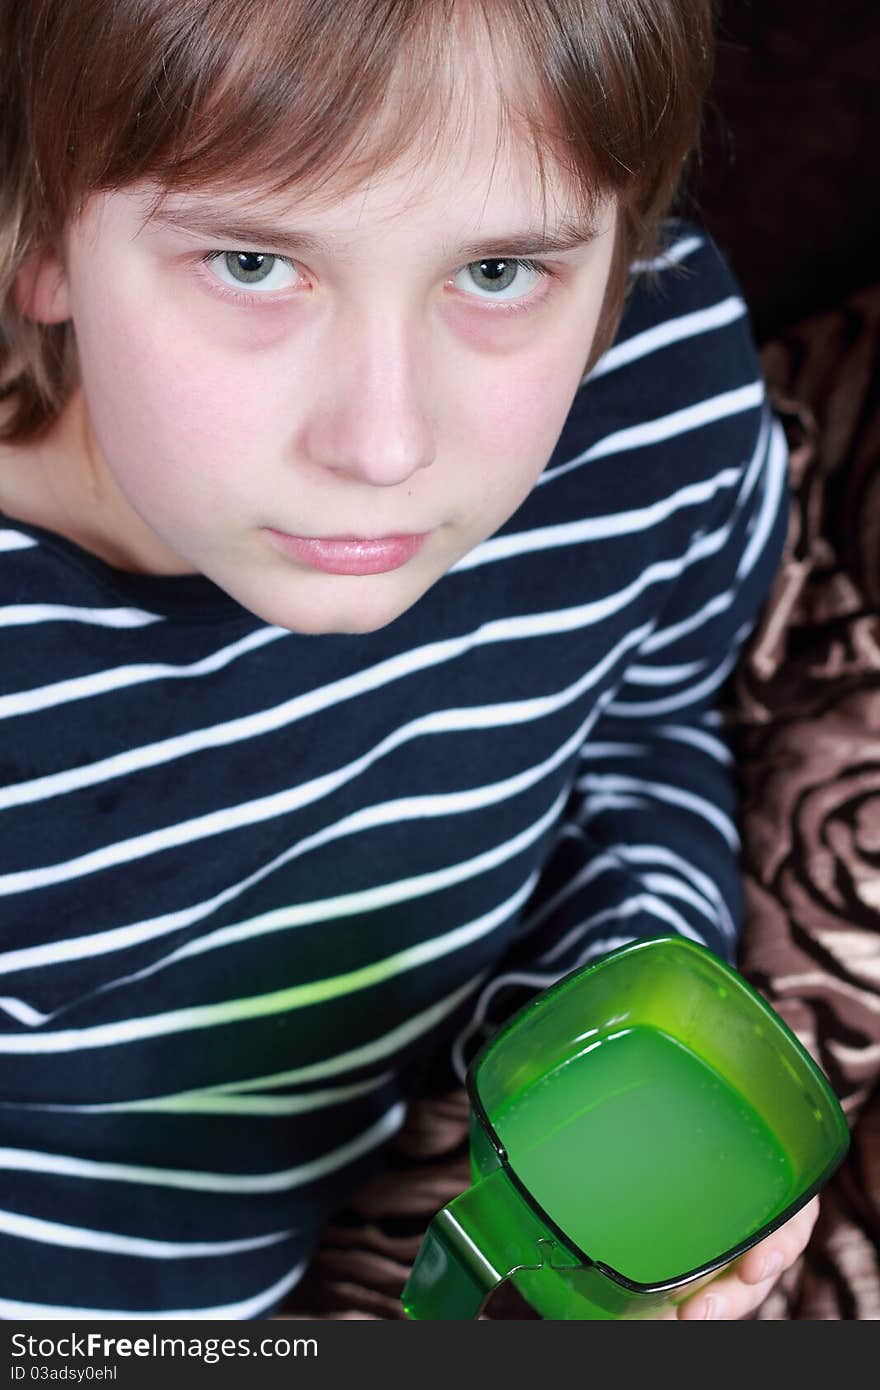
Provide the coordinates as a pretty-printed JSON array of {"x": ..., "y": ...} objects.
[{"x": 100, "y": 94}]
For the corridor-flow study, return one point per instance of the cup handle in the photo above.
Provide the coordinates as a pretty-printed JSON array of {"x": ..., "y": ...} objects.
[{"x": 470, "y": 1247}]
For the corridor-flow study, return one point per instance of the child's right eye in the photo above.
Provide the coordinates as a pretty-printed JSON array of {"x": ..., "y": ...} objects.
[{"x": 252, "y": 270}]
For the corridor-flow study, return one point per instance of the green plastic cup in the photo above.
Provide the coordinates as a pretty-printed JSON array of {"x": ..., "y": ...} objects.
[{"x": 633, "y": 1129}]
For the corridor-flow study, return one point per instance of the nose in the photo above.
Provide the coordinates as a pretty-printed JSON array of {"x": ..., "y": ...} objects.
[{"x": 369, "y": 419}]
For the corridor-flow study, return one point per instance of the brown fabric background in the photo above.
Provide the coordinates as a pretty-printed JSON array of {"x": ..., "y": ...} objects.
[
  {"x": 790, "y": 187},
  {"x": 806, "y": 710}
]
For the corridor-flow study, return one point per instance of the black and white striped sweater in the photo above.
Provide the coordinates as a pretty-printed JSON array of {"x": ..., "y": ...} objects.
[{"x": 250, "y": 881}]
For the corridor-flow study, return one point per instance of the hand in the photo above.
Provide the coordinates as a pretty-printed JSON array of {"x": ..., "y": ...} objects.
[{"x": 745, "y": 1284}]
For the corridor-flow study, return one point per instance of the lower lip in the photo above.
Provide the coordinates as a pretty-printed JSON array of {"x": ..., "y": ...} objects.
[{"x": 349, "y": 554}]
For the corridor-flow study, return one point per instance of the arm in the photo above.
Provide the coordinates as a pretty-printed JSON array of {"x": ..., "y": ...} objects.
[
  {"x": 650, "y": 843},
  {"x": 657, "y": 795}
]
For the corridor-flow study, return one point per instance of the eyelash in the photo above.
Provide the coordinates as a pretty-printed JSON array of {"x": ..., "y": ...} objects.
[
  {"x": 542, "y": 269},
  {"x": 247, "y": 301},
  {"x": 545, "y": 272}
]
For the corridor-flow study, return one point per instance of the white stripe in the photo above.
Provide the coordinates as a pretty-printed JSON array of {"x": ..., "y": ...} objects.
[
  {"x": 248, "y": 1308},
  {"x": 673, "y": 255},
  {"x": 673, "y": 887},
  {"x": 187, "y": 1102},
  {"x": 661, "y": 854},
  {"x": 682, "y": 733},
  {"x": 670, "y": 331},
  {"x": 602, "y": 945},
  {"x": 277, "y": 1001},
  {"x": 611, "y": 860},
  {"x": 665, "y": 427},
  {"x": 630, "y": 907},
  {"x": 595, "y": 867},
  {"x": 80, "y": 1238},
  {"x": 63, "y": 1165},
  {"x": 597, "y": 751},
  {"x": 409, "y": 959},
  {"x": 758, "y": 463},
  {"x": 22, "y": 1012},
  {"x": 649, "y": 709},
  {"x": 719, "y": 603},
  {"x": 541, "y": 980},
  {"x": 19, "y": 614},
  {"x": 598, "y": 783},
  {"x": 668, "y": 636},
  {"x": 123, "y": 677},
  {"x": 15, "y": 540},
  {"x": 219, "y": 1104},
  {"x": 209, "y": 1102},
  {"x": 529, "y": 979},
  {"x": 776, "y": 481},
  {"x": 342, "y": 1062},
  {"x": 601, "y": 527},
  {"x": 614, "y": 802},
  {"x": 663, "y": 675}
]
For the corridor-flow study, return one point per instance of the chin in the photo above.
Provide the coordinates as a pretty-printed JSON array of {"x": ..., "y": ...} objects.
[{"x": 352, "y": 615}]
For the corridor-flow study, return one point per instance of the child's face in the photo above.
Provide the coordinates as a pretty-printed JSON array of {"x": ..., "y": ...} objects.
[{"x": 324, "y": 436}]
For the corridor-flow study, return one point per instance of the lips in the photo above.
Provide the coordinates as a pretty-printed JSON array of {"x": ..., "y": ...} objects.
[{"x": 356, "y": 555}]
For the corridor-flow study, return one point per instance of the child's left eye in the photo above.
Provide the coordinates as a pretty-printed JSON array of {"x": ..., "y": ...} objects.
[
  {"x": 252, "y": 270},
  {"x": 500, "y": 277}
]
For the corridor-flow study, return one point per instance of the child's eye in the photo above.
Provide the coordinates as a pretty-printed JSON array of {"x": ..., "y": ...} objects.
[
  {"x": 500, "y": 277},
  {"x": 252, "y": 270}
]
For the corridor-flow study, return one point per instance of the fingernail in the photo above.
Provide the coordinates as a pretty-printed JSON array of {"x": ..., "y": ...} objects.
[{"x": 772, "y": 1266}]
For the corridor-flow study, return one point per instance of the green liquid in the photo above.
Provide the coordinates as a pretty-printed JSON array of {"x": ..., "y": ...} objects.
[{"x": 646, "y": 1158}]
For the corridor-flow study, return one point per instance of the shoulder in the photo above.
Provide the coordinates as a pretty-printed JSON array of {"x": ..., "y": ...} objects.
[
  {"x": 685, "y": 321},
  {"x": 689, "y": 272},
  {"x": 680, "y": 393},
  {"x": 684, "y": 345}
]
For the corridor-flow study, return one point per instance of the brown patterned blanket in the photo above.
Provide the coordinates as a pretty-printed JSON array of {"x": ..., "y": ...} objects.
[{"x": 804, "y": 711}]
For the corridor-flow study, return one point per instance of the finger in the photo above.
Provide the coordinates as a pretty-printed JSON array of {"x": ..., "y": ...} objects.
[
  {"x": 780, "y": 1250},
  {"x": 726, "y": 1299},
  {"x": 740, "y": 1290}
]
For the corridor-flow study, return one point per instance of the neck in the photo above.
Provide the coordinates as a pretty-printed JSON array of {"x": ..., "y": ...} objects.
[{"x": 61, "y": 483}]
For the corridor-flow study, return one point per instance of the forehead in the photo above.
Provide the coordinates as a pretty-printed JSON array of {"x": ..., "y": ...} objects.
[
  {"x": 471, "y": 137},
  {"x": 443, "y": 199}
]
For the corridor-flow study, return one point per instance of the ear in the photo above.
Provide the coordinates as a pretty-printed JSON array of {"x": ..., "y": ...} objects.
[{"x": 41, "y": 289}]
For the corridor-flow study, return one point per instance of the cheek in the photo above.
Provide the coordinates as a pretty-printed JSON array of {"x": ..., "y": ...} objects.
[
  {"x": 157, "y": 394},
  {"x": 514, "y": 414}
]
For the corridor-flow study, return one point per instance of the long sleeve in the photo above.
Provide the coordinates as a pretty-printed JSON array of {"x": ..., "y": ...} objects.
[
  {"x": 649, "y": 842},
  {"x": 654, "y": 814}
]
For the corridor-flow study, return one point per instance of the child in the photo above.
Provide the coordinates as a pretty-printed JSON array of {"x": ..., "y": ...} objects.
[{"x": 363, "y": 609}]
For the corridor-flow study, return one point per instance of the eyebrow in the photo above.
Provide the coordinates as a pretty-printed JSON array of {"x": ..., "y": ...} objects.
[{"x": 218, "y": 226}]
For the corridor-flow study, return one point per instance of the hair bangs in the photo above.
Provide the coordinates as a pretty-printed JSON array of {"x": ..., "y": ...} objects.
[
  {"x": 267, "y": 96},
  {"x": 272, "y": 114}
]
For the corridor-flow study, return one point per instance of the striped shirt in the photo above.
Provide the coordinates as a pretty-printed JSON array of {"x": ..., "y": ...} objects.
[{"x": 253, "y": 882}]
